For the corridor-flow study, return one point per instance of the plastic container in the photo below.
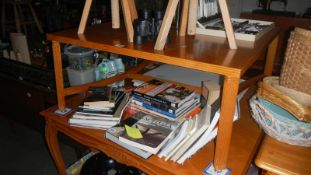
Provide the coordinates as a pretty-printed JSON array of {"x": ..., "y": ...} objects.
[
  {"x": 101, "y": 72},
  {"x": 80, "y": 58},
  {"x": 78, "y": 77},
  {"x": 119, "y": 65}
]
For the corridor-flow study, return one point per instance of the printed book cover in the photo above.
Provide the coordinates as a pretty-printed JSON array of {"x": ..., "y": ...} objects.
[
  {"x": 167, "y": 93},
  {"x": 155, "y": 131}
]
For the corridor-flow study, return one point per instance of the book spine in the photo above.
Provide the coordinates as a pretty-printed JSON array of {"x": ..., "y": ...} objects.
[
  {"x": 153, "y": 99},
  {"x": 137, "y": 102},
  {"x": 156, "y": 104},
  {"x": 159, "y": 110}
]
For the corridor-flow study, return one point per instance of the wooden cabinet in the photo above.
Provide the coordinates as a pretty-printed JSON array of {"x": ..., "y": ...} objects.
[
  {"x": 22, "y": 98},
  {"x": 286, "y": 24},
  {"x": 198, "y": 52}
]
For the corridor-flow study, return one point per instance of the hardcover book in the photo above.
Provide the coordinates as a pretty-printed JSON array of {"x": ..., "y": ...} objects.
[
  {"x": 168, "y": 94},
  {"x": 155, "y": 131}
]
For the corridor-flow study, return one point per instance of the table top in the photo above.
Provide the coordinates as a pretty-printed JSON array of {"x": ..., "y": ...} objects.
[
  {"x": 246, "y": 138},
  {"x": 282, "y": 158},
  {"x": 200, "y": 52}
]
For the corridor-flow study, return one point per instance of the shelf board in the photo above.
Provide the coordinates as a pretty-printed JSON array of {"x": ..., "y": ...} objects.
[{"x": 198, "y": 52}]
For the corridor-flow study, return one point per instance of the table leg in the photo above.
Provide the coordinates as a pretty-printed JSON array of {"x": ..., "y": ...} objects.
[
  {"x": 230, "y": 91},
  {"x": 58, "y": 70},
  {"x": 271, "y": 55},
  {"x": 52, "y": 141}
]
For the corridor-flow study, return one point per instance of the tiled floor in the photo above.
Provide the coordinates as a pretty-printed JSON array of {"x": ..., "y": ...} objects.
[{"x": 24, "y": 152}]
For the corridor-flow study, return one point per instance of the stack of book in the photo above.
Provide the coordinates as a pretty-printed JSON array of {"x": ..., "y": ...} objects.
[
  {"x": 102, "y": 108},
  {"x": 146, "y": 132},
  {"x": 166, "y": 99}
]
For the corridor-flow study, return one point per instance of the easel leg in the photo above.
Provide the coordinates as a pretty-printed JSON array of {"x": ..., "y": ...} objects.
[
  {"x": 34, "y": 15},
  {"x": 184, "y": 18},
  {"x": 115, "y": 14},
  {"x": 166, "y": 24},
  {"x": 85, "y": 14},
  {"x": 17, "y": 20},
  {"x": 128, "y": 20},
  {"x": 227, "y": 22},
  {"x": 133, "y": 9},
  {"x": 192, "y": 18}
]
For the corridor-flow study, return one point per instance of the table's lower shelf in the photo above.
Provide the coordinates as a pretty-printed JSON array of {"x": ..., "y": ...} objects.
[{"x": 245, "y": 140}]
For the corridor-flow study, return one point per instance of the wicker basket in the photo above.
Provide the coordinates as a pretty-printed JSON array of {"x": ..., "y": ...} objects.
[
  {"x": 295, "y": 102},
  {"x": 296, "y": 70},
  {"x": 288, "y": 130}
]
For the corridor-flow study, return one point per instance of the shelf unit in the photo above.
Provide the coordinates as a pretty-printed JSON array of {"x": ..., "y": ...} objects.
[{"x": 210, "y": 54}]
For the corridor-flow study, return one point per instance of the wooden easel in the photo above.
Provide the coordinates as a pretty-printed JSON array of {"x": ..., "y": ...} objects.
[
  {"x": 129, "y": 14},
  {"x": 189, "y": 14},
  {"x": 21, "y": 21}
]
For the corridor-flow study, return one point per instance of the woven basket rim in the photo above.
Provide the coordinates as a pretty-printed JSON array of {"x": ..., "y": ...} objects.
[
  {"x": 297, "y": 96},
  {"x": 303, "y": 31},
  {"x": 273, "y": 95},
  {"x": 283, "y": 136}
]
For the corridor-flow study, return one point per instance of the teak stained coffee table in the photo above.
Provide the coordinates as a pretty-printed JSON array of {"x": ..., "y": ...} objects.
[
  {"x": 204, "y": 53},
  {"x": 246, "y": 138}
]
